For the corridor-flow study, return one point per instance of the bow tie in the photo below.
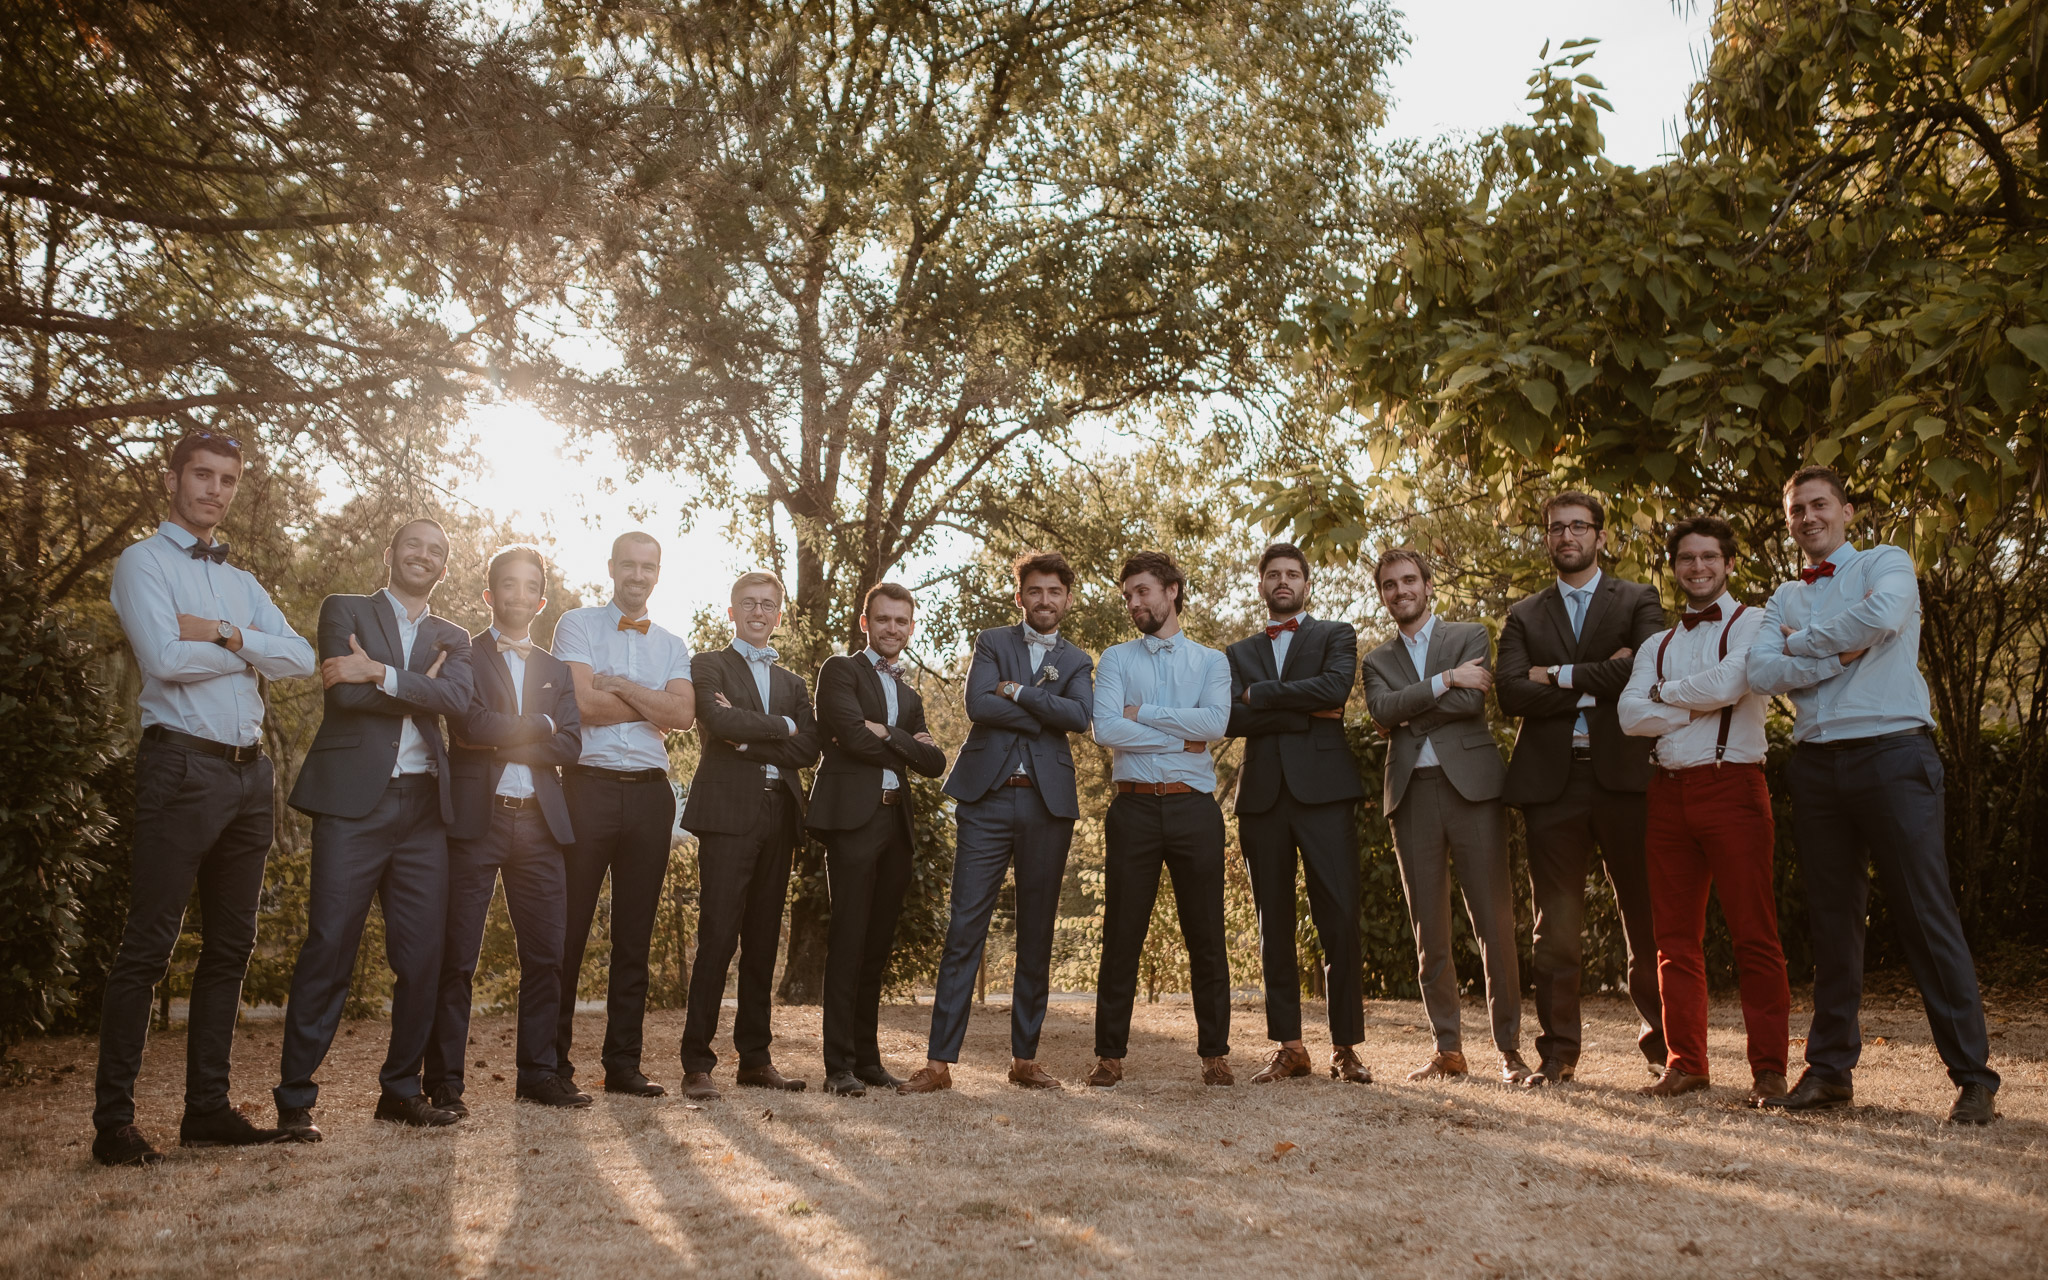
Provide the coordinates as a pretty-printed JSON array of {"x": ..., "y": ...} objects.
[
  {"x": 1712, "y": 613},
  {"x": 1043, "y": 642},
  {"x": 762, "y": 656},
  {"x": 1273, "y": 629},
  {"x": 635, "y": 624},
  {"x": 218, "y": 552},
  {"x": 1809, "y": 575},
  {"x": 1155, "y": 645},
  {"x": 894, "y": 670},
  {"x": 524, "y": 648}
]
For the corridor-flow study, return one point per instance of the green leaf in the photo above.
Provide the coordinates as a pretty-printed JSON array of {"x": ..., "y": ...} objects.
[
  {"x": 1660, "y": 466},
  {"x": 2032, "y": 342},
  {"x": 1749, "y": 395},
  {"x": 1946, "y": 471},
  {"x": 1468, "y": 375},
  {"x": 1541, "y": 395},
  {"x": 1928, "y": 427},
  {"x": 2009, "y": 386},
  {"x": 1680, "y": 370}
]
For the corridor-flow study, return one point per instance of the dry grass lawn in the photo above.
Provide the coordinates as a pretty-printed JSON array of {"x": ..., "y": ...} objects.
[{"x": 1157, "y": 1177}]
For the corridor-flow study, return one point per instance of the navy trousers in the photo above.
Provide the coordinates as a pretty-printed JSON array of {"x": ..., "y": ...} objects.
[
  {"x": 520, "y": 848},
  {"x": 1882, "y": 803},
  {"x": 868, "y": 870},
  {"x": 397, "y": 854},
  {"x": 1009, "y": 826}
]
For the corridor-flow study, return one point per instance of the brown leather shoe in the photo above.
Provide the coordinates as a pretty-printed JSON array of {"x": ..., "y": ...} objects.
[
  {"x": 1512, "y": 1069},
  {"x": 697, "y": 1087},
  {"x": 1672, "y": 1083},
  {"x": 1768, "y": 1084},
  {"x": 1285, "y": 1064},
  {"x": 1108, "y": 1071},
  {"x": 1442, "y": 1067},
  {"x": 766, "y": 1076},
  {"x": 926, "y": 1080},
  {"x": 1217, "y": 1071},
  {"x": 1032, "y": 1076},
  {"x": 1345, "y": 1066}
]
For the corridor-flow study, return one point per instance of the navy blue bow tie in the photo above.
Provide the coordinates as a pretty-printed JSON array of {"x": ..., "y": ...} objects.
[
  {"x": 894, "y": 670},
  {"x": 217, "y": 552}
]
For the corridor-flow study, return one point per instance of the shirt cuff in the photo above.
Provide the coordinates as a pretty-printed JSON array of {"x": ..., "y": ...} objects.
[
  {"x": 1437, "y": 685},
  {"x": 389, "y": 684},
  {"x": 551, "y": 723},
  {"x": 1564, "y": 676},
  {"x": 1588, "y": 700},
  {"x": 792, "y": 725}
]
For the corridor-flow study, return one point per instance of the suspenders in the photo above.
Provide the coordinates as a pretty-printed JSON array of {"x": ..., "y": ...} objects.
[{"x": 1727, "y": 712}]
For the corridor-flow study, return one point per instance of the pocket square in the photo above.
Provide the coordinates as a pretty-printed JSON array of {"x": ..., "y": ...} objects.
[{"x": 549, "y": 685}]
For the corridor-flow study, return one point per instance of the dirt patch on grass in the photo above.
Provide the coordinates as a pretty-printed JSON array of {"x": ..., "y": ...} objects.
[{"x": 1158, "y": 1176}]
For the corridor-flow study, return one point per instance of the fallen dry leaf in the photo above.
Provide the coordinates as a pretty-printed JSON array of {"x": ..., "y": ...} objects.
[{"x": 1281, "y": 1149}]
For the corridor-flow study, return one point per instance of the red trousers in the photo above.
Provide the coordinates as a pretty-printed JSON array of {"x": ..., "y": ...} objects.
[{"x": 1711, "y": 827}]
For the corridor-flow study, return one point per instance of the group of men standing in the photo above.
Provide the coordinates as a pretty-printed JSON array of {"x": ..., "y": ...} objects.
[{"x": 446, "y": 764}]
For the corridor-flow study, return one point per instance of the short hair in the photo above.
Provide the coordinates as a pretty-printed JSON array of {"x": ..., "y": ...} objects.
[
  {"x": 1573, "y": 498},
  {"x": 514, "y": 554},
  {"x": 1283, "y": 551},
  {"x": 393, "y": 544},
  {"x": 1051, "y": 562},
  {"x": 887, "y": 591},
  {"x": 1161, "y": 566},
  {"x": 1703, "y": 527},
  {"x": 1828, "y": 475},
  {"x": 1399, "y": 555},
  {"x": 199, "y": 442},
  {"x": 636, "y": 535},
  {"x": 758, "y": 578}
]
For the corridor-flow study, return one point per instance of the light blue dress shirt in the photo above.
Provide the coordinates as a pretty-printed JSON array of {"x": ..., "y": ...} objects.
[
  {"x": 413, "y": 756},
  {"x": 592, "y": 637},
  {"x": 759, "y": 661},
  {"x": 889, "y": 779},
  {"x": 1182, "y": 693},
  {"x": 1578, "y": 602},
  {"x": 1873, "y": 602},
  {"x": 1418, "y": 653},
  {"x": 196, "y": 686}
]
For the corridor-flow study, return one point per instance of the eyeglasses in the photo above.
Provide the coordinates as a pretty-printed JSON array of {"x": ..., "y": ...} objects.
[
  {"x": 1579, "y": 528},
  {"x": 758, "y": 606}
]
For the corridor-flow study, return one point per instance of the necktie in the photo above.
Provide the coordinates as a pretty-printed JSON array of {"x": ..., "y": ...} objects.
[
  {"x": 1712, "y": 613},
  {"x": 524, "y": 648},
  {"x": 1273, "y": 629},
  {"x": 635, "y": 624},
  {"x": 1809, "y": 575},
  {"x": 1577, "y": 597},
  {"x": 217, "y": 552},
  {"x": 894, "y": 670},
  {"x": 1155, "y": 645}
]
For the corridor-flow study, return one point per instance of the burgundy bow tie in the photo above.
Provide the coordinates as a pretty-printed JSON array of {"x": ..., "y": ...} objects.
[
  {"x": 1815, "y": 572},
  {"x": 894, "y": 670},
  {"x": 1273, "y": 629},
  {"x": 1712, "y": 613}
]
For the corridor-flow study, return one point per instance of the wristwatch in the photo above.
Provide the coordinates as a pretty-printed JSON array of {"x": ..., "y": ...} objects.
[
  {"x": 1552, "y": 671},
  {"x": 227, "y": 632},
  {"x": 1009, "y": 689},
  {"x": 1657, "y": 692}
]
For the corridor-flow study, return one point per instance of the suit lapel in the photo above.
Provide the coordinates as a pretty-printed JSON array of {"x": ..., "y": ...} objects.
[
  {"x": 1434, "y": 658},
  {"x": 1596, "y": 608},
  {"x": 748, "y": 690},
  {"x": 1560, "y": 616},
  {"x": 872, "y": 693},
  {"x": 484, "y": 654},
  {"x": 387, "y": 621},
  {"x": 1402, "y": 662}
]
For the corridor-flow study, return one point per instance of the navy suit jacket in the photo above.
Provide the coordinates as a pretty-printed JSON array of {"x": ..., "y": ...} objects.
[
  {"x": 493, "y": 734},
  {"x": 349, "y": 764},
  {"x": 1047, "y": 709}
]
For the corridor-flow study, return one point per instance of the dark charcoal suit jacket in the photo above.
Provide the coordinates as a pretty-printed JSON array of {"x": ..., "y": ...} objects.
[
  {"x": 725, "y": 792},
  {"x": 492, "y": 734},
  {"x": 848, "y": 786},
  {"x": 350, "y": 761},
  {"x": 1283, "y": 743},
  {"x": 1058, "y": 698},
  {"x": 1538, "y": 633}
]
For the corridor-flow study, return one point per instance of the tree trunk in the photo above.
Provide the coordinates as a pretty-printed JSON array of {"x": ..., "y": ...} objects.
[{"x": 810, "y": 906}]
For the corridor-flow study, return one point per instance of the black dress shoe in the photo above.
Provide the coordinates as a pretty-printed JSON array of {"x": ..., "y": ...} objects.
[
  {"x": 1551, "y": 1072},
  {"x": 226, "y": 1127},
  {"x": 553, "y": 1091},
  {"x": 298, "y": 1122},
  {"x": 125, "y": 1145},
  {"x": 632, "y": 1083},
  {"x": 843, "y": 1084},
  {"x": 767, "y": 1077},
  {"x": 1973, "y": 1106},
  {"x": 416, "y": 1111},
  {"x": 1812, "y": 1094},
  {"x": 446, "y": 1099},
  {"x": 877, "y": 1075}
]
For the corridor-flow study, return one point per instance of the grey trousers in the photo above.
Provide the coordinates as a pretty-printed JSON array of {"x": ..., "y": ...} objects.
[{"x": 1435, "y": 827}]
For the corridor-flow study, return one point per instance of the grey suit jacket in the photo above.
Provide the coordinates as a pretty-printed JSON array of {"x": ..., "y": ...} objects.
[
  {"x": 1038, "y": 722},
  {"x": 1398, "y": 698}
]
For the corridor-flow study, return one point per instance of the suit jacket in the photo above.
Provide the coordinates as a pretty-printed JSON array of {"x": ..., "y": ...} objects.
[
  {"x": 848, "y": 786},
  {"x": 1285, "y": 746},
  {"x": 1034, "y": 727},
  {"x": 1398, "y": 697},
  {"x": 1538, "y": 633},
  {"x": 493, "y": 733},
  {"x": 356, "y": 747},
  {"x": 725, "y": 792}
]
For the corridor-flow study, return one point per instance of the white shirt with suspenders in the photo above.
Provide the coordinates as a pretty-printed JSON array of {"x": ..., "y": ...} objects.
[{"x": 1703, "y": 669}]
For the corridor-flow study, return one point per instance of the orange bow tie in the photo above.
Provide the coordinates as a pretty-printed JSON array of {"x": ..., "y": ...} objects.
[{"x": 635, "y": 624}]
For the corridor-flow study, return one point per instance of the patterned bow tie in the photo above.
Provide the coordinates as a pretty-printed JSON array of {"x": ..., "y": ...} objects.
[
  {"x": 1155, "y": 645},
  {"x": 763, "y": 656},
  {"x": 1043, "y": 642},
  {"x": 635, "y": 624},
  {"x": 524, "y": 648},
  {"x": 1273, "y": 629},
  {"x": 1712, "y": 613},
  {"x": 894, "y": 670},
  {"x": 1815, "y": 572},
  {"x": 218, "y": 552}
]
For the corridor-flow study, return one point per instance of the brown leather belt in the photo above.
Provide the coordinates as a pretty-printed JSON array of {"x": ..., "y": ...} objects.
[
  {"x": 1017, "y": 780},
  {"x": 193, "y": 742},
  {"x": 515, "y": 802},
  {"x": 1153, "y": 788},
  {"x": 891, "y": 795}
]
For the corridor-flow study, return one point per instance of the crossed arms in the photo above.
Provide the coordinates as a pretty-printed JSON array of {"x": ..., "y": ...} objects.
[{"x": 890, "y": 746}]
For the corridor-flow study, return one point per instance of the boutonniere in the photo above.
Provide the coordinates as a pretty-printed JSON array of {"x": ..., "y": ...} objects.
[
  {"x": 547, "y": 686},
  {"x": 1051, "y": 672}
]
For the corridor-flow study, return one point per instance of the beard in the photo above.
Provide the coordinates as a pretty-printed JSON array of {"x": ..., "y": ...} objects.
[
  {"x": 1148, "y": 623},
  {"x": 1573, "y": 560},
  {"x": 1407, "y": 611},
  {"x": 1283, "y": 601}
]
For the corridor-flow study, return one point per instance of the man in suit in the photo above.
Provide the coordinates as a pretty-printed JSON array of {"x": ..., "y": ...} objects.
[
  {"x": 1028, "y": 687},
  {"x": 633, "y": 688},
  {"x": 510, "y": 821},
  {"x": 1426, "y": 689},
  {"x": 378, "y": 786},
  {"x": 1566, "y": 653},
  {"x": 1866, "y": 782},
  {"x": 1299, "y": 791},
  {"x": 872, "y": 723},
  {"x": 746, "y": 809}
]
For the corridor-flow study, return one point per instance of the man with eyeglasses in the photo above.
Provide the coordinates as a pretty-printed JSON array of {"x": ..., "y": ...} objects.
[
  {"x": 205, "y": 634},
  {"x": 1566, "y": 654}
]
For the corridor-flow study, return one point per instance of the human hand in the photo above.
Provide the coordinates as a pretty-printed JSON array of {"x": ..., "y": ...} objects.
[
  {"x": 879, "y": 730},
  {"x": 722, "y": 700},
  {"x": 1193, "y": 748},
  {"x": 925, "y": 738},
  {"x": 440, "y": 660},
  {"x": 353, "y": 667},
  {"x": 1623, "y": 652},
  {"x": 1130, "y": 713},
  {"x": 1329, "y": 713},
  {"x": 1854, "y": 654},
  {"x": 1470, "y": 675},
  {"x": 1541, "y": 675},
  {"x": 193, "y": 627}
]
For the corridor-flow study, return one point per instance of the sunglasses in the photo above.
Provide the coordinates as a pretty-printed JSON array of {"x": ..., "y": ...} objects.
[{"x": 211, "y": 438}]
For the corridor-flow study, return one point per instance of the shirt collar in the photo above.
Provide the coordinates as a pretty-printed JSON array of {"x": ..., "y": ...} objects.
[
  {"x": 1044, "y": 638},
  {"x": 1842, "y": 555},
  {"x": 1726, "y": 600},
  {"x": 874, "y": 659},
  {"x": 745, "y": 650},
  {"x": 179, "y": 535},
  {"x": 1298, "y": 615},
  {"x": 617, "y": 613},
  {"x": 399, "y": 609},
  {"x": 1592, "y": 584},
  {"x": 1421, "y": 637}
]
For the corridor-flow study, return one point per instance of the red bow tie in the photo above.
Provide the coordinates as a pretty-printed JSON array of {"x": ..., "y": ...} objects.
[
  {"x": 634, "y": 624},
  {"x": 1815, "y": 572},
  {"x": 1712, "y": 613},
  {"x": 1273, "y": 629}
]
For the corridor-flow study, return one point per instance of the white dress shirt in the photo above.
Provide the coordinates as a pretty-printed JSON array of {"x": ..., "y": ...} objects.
[
  {"x": 1418, "y": 653},
  {"x": 1182, "y": 692},
  {"x": 592, "y": 637},
  {"x": 1698, "y": 680},
  {"x": 517, "y": 780},
  {"x": 1285, "y": 640},
  {"x": 759, "y": 663},
  {"x": 1581, "y": 732},
  {"x": 196, "y": 686},
  {"x": 413, "y": 756},
  {"x": 889, "y": 779},
  {"x": 1873, "y": 602}
]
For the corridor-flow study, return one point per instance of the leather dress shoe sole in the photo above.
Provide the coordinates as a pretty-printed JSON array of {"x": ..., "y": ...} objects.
[
  {"x": 124, "y": 1147},
  {"x": 454, "y": 1106},
  {"x": 642, "y": 1088},
  {"x": 843, "y": 1085},
  {"x": 1974, "y": 1105},
  {"x": 768, "y": 1078},
  {"x": 697, "y": 1087},
  {"x": 877, "y": 1077},
  {"x": 1037, "y": 1079}
]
